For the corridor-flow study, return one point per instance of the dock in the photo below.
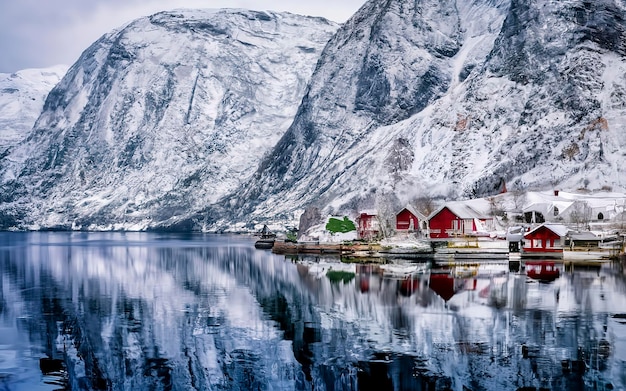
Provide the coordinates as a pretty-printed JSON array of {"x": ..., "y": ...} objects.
[
  {"x": 354, "y": 250},
  {"x": 294, "y": 248},
  {"x": 374, "y": 252}
]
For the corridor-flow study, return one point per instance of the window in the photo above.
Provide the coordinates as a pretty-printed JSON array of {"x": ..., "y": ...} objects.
[
  {"x": 600, "y": 216},
  {"x": 556, "y": 211}
]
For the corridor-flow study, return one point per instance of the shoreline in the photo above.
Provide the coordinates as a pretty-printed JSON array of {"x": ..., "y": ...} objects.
[{"x": 489, "y": 251}]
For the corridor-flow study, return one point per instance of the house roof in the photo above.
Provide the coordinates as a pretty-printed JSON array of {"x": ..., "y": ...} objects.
[
  {"x": 589, "y": 236},
  {"x": 547, "y": 208},
  {"x": 470, "y": 209},
  {"x": 414, "y": 212},
  {"x": 558, "y": 229},
  {"x": 369, "y": 212}
]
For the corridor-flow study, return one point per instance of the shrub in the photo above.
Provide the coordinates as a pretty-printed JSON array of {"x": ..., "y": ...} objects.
[{"x": 343, "y": 226}]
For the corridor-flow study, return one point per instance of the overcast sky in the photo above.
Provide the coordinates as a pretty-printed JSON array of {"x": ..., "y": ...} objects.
[{"x": 43, "y": 33}]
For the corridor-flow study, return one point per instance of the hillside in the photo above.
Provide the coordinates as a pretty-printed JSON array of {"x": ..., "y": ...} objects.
[{"x": 160, "y": 118}]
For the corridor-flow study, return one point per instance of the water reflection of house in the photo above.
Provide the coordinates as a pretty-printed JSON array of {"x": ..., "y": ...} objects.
[
  {"x": 372, "y": 279},
  {"x": 446, "y": 286},
  {"x": 546, "y": 240},
  {"x": 368, "y": 277},
  {"x": 544, "y": 271},
  {"x": 409, "y": 285}
]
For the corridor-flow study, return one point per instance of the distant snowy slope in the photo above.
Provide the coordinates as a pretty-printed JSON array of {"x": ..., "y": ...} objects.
[
  {"x": 162, "y": 117},
  {"x": 22, "y": 95}
]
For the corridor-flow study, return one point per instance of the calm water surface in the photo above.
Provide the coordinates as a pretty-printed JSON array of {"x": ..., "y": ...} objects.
[{"x": 138, "y": 311}]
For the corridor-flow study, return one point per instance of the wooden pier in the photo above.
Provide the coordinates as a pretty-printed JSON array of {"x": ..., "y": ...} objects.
[{"x": 293, "y": 248}]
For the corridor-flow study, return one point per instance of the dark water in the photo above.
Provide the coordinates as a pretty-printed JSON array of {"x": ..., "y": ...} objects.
[{"x": 111, "y": 311}]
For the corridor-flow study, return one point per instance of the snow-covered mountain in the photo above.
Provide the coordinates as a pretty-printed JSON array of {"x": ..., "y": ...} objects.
[
  {"x": 452, "y": 98},
  {"x": 160, "y": 118},
  {"x": 22, "y": 95}
]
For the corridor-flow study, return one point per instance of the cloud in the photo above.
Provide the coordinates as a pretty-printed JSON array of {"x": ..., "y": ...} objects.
[{"x": 36, "y": 34}]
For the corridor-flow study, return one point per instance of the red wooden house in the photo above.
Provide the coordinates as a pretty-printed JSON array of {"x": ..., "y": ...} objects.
[
  {"x": 461, "y": 218},
  {"x": 545, "y": 241},
  {"x": 410, "y": 220},
  {"x": 368, "y": 225}
]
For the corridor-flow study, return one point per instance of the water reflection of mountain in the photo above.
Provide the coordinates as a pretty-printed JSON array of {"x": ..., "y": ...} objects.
[{"x": 133, "y": 312}]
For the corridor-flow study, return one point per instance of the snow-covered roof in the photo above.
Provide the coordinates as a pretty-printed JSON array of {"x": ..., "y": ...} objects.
[
  {"x": 584, "y": 236},
  {"x": 369, "y": 212},
  {"x": 547, "y": 208},
  {"x": 558, "y": 229},
  {"x": 413, "y": 211},
  {"x": 470, "y": 209}
]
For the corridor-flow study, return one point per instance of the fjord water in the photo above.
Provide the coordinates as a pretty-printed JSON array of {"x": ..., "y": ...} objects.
[{"x": 146, "y": 311}]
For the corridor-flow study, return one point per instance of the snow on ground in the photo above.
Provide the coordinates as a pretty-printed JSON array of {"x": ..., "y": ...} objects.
[{"x": 406, "y": 242}]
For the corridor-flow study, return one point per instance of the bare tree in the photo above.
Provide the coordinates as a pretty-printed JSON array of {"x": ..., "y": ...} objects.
[
  {"x": 399, "y": 158},
  {"x": 571, "y": 151},
  {"x": 424, "y": 204},
  {"x": 387, "y": 205},
  {"x": 519, "y": 199},
  {"x": 496, "y": 206},
  {"x": 580, "y": 213}
]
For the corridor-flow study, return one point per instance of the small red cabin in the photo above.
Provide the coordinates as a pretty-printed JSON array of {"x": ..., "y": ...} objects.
[
  {"x": 368, "y": 225},
  {"x": 408, "y": 219},
  {"x": 545, "y": 241},
  {"x": 458, "y": 219}
]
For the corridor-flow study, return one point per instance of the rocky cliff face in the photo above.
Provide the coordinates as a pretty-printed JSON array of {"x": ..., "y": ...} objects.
[
  {"x": 451, "y": 98},
  {"x": 161, "y": 118}
]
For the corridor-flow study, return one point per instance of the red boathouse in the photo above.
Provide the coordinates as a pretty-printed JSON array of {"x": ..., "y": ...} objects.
[
  {"x": 410, "y": 220},
  {"x": 457, "y": 219},
  {"x": 545, "y": 241},
  {"x": 368, "y": 225}
]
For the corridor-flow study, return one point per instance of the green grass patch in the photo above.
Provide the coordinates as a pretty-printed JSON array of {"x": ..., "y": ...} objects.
[
  {"x": 291, "y": 236},
  {"x": 335, "y": 225}
]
